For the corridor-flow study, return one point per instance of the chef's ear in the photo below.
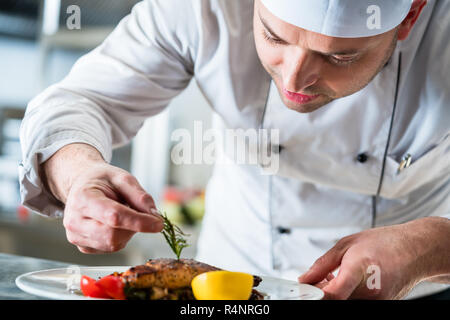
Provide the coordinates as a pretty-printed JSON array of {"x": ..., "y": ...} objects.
[{"x": 410, "y": 20}]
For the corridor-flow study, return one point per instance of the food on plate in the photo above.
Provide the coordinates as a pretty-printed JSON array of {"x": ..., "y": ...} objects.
[
  {"x": 222, "y": 285},
  {"x": 168, "y": 273},
  {"x": 172, "y": 279},
  {"x": 90, "y": 288},
  {"x": 157, "y": 279}
]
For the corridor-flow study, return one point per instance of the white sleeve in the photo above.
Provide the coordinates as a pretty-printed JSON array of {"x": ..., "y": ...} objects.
[{"x": 145, "y": 62}]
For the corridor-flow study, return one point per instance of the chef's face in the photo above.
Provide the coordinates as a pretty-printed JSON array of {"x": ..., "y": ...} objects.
[{"x": 309, "y": 69}]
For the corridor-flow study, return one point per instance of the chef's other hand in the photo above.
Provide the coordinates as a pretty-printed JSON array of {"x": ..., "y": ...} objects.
[
  {"x": 104, "y": 205},
  {"x": 383, "y": 263}
]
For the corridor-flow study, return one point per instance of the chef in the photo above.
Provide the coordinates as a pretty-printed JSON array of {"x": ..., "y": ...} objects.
[{"x": 359, "y": 92}]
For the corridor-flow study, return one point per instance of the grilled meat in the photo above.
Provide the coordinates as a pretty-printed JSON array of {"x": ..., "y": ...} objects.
[{"x": 165, "y": 273}]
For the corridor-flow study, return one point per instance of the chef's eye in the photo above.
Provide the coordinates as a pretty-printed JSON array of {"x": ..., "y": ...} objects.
[
  {"x": 342, "y": 60},
  {"x": 271, "y": 39}
]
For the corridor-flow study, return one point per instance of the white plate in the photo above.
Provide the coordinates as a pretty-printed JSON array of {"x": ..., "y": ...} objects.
[{"x": 64, "y": 284}]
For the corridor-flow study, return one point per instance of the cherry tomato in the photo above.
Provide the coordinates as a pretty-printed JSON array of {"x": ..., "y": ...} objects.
[
  {"x": 90, "y": 288},
  {"x": 113, "y": 286}
]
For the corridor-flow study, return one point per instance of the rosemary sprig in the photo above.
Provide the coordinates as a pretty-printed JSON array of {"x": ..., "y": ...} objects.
[{"x": 174, "y": 236}]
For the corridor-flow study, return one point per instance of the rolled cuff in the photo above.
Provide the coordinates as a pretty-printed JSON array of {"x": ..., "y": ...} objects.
[{"x": 33, "y": 193}]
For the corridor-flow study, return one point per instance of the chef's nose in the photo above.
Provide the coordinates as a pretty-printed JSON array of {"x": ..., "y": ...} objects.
[{"x": 301, "y": 70}]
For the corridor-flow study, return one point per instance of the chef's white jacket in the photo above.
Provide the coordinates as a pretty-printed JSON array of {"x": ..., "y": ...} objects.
[{"x": 266, "y": 224}]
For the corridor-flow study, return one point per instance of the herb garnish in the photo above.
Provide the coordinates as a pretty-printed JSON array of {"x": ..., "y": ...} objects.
[{"x": 174, "y": 236}]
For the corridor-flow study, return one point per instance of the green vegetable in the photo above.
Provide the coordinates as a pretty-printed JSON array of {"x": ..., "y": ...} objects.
[{"x": 174, "y": 236}]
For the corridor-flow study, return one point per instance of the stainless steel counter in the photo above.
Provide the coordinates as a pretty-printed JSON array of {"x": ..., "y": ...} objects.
[{"x": 11, "y": 266}]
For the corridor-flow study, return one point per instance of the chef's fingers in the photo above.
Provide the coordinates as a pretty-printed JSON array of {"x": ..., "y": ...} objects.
[
  {"x": 83, "y": 244},
  {"x": 324, "y": 282},
  {"x": 325, "y": 265},
  {"x": 95, "y": 246},
  {"x": 116, "y": 215},
  {"x": 347, "y": 281},
  {"x": 330, "y": 277},
  {"x": 321, "y": 285},
  {"x": 87, "y": 250},
  {"x": 97, "y": 235},
  {"x": 135, "y": 196}
]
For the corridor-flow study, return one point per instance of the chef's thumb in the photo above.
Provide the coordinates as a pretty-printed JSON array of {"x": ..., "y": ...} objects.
[
  {"x": 345, "y": 284},
  {"x": 134, "y": 195},
  {"x": 323, "y": 266}
]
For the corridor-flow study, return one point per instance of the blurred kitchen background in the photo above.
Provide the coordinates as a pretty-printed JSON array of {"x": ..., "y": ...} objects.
[{"x": 36, "y": 50}]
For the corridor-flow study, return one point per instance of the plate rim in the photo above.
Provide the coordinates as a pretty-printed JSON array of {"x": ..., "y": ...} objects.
[{"x": 48, "y": 295}]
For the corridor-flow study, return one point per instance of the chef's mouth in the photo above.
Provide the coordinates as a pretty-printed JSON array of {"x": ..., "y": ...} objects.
[{"x": 298, "y": 97}]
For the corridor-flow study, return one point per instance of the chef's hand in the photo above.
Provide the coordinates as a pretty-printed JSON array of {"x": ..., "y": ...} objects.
[
  {"x": 385, "y": 262},
  {"x": 104, "y": 205}
]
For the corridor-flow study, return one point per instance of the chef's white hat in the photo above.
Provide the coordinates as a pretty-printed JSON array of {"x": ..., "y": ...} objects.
[{"x": 342, "y": 18}]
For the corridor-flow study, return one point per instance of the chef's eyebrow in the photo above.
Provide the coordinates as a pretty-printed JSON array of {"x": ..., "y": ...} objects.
[
  {"x": 327, "y": 54},
  {"x": 268, "y": 29}
]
